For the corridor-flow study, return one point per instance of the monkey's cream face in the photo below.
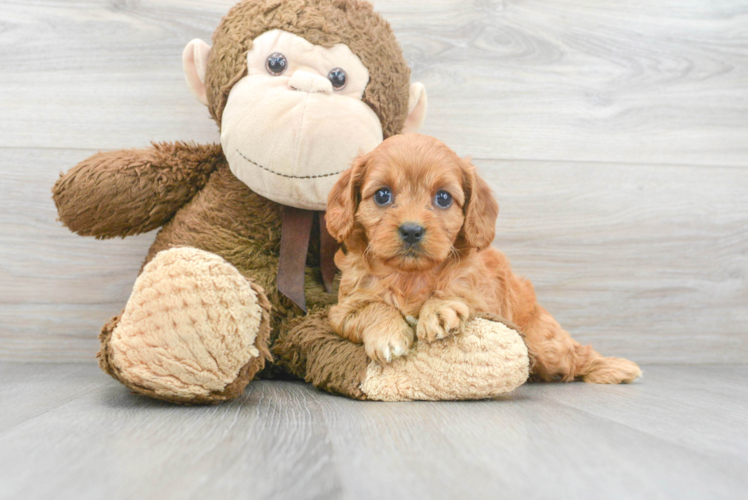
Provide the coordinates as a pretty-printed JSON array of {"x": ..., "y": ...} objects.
[{"x": 296, "y": 121}]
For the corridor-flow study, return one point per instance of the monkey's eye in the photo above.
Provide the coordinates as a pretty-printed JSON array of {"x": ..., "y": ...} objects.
[
  {"x": 443, "y": 199},
  {"x": 383, "y": 197},
  {"x": 338, "y": 78},
  {"x": 276, "y": 64}
]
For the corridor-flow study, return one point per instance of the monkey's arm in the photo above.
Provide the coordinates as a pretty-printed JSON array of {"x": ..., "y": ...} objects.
[{"x": 121, "y": 193}]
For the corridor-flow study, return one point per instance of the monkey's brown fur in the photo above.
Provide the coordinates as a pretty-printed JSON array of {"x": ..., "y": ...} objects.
[{"x": 190, "y": 191}]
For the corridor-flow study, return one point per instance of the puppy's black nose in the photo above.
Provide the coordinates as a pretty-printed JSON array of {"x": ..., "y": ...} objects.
[{"x": 411, "y": 232}]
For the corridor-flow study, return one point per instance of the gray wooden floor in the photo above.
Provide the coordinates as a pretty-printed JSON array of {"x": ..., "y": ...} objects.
[{"x": 67, "y": 431}]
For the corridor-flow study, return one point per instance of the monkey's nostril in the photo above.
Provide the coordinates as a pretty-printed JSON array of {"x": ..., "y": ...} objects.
[{"x": 411, "y": 233}]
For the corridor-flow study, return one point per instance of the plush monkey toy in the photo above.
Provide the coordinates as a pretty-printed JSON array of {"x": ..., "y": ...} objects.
[{"x": 298, "y": 88}]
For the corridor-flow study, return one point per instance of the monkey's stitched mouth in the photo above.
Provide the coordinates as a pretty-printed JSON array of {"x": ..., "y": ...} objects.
[{"x": 286, "y": 175}]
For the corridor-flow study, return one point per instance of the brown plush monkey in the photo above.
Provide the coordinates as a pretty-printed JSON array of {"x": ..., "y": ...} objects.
[{"x": 298, "y": 88}]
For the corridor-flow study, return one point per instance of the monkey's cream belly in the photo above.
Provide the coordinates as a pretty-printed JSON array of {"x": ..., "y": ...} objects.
[{"x": 290, "y": 146}]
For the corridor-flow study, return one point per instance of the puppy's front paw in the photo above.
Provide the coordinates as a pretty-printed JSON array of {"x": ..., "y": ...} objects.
[
  {"x": 440, "y": 319},
  {"x": 387, "y": 341}
]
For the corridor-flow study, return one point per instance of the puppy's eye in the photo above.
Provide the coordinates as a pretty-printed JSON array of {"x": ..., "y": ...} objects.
[
  {"x": 276, "y": 64},
  {"x": 443, "y": 199},
  {"x": 338, "y": 78},
  {"x": 383, "y": 197}
]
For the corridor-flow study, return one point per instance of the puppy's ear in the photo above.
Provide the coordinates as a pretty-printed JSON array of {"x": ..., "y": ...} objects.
[
  {"x": 342, "y": 202},
  {"x": 481, "y": 210}
]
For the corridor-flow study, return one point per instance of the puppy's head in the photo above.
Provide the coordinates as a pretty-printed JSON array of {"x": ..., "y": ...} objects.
[{"x": 410, "y": 203}]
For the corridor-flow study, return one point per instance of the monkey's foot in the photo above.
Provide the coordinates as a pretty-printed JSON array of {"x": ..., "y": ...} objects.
[
  {"x": 485, "y": 360},
  {"x": 193, "y": 331}
]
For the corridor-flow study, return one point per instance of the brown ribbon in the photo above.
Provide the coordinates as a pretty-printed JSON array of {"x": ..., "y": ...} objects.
[{"x": 295, "y": 235}]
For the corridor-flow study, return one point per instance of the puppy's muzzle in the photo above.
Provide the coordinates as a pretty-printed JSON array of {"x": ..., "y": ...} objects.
[{"x": 411, "y": 233}]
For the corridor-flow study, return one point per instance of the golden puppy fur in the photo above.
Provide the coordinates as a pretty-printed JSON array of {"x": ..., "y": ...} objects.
[{"x": 417, "y": 262}]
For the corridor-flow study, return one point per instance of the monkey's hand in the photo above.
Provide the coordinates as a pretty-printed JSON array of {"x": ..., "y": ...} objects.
[
  {"x": 121, "y": 193},
  {"x": 441, "y": 318}
]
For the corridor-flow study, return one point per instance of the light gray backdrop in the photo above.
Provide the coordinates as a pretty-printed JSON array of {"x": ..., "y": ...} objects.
[{"x": 615, "y": 135}]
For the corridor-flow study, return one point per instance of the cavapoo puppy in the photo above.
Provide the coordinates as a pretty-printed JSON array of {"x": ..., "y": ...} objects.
[{"x": 416, "y": 223}]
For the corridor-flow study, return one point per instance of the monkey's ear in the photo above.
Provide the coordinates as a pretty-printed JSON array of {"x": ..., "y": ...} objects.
[
  {"x": 194, "y": 63},
  {"x": 416, "y": 108}
]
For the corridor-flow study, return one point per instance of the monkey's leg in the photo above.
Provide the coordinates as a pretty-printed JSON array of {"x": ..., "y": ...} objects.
[
  {"x": 487, "y": 359},
  {"x": 308, "y": 348},
  {"x": 194, "y": 330}
]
